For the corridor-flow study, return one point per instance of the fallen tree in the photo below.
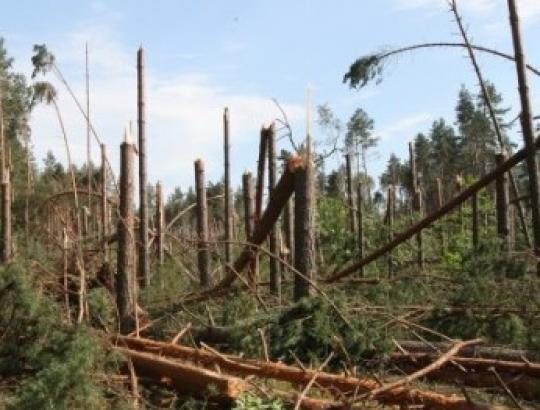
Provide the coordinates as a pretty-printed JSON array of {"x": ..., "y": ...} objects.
[{"x": 347, "y": 386}]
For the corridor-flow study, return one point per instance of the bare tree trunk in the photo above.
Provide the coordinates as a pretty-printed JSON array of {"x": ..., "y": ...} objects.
[
  {"x": 104, "y": 205},
  {"x": 360, "y": 218},
  {"x": 304, "y": 236},
  {"x": 416, "y": 204},
  {"x": 6, "y": 219},
  {"x": 275, "y": 274},
  {"x": 350, "y": 199},
  {"x": 259, "y": 184},
  {"x": 475, "y": 221},
  {"x": 160, "y": 234},
  {"x": 288, "y": 230},
  {"x": 501, "y": 201},
  {"x": 28, "y": 188},
  {"x": 249, "y": 224},
  {"x": 143, "y": 268},
  {"x": 390, "y": 222},
  {"x": 125, "y": 277},
  {"x": 89, "y": 173},
  {"x": 526, "y": 127},
  {"x": 203, "y": 253},
  {"x": 227, "y": 183},
  {"x": 65, "y": 249}
]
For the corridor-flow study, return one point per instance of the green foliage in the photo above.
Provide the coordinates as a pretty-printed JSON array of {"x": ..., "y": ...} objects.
[
  {"x": 56, "y": 366},
  {"x": 337, "y": 242},
  {"x": 248, "y": 401}
]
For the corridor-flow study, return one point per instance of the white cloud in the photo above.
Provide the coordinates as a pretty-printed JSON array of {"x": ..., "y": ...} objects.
[
  {"x": 184, "y": 113},
  {"x": 403, "y": 127}
]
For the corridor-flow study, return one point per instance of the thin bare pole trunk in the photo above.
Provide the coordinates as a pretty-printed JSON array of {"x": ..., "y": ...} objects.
[
  {"x": 2, "y": 136},
  {"x": 104, "y": 205},
  {"x": 88, "y": 139},
  {"x": 203, "y": 253},
  {"x": 526, "y": 127},
  {"x": 227, "y": 183},
  {"x": 501, "y": 201},
  {"x": 28, "y": 187},
  {"x": 249, "y": 224},
  {"x": 390, "y": 222},
  {"x": 125, "y": 277},
  {"x": 416, "y": 204},
  {"x": 360, "y": 219},
  {"x": 275, "y": 274},
  {"x": 143, "y": 267},
  {"x": 160, "y": 234},
  {"x": 350, "y": 199}
]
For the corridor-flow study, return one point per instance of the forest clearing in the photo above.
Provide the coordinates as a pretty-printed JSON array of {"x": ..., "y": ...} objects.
[{"x": 312, "y": 284}]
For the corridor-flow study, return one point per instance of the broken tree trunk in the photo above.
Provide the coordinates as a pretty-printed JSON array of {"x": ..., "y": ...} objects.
[
  {"x": 203, "y": 253},
  {"x": 160, "y": 223},
  {"x": 143, "y": 268},
  {"x": 416, "y": 196},
  {"x": 288, "y": 230},
  {"x": 275, "y": 274},
  {"x": 227, "y": 188},
  {"x": 443, "y": 210},
  {"x": 526, "y": 127},
  {"x": 126, "y": 242},
  {"x": 390, "y": 223},
  {"x": 304, "y": 235},
  {"x": 501, "y": 204},
  {"x": 249, "y": 224},
  {"x": 282, "y": 193}
]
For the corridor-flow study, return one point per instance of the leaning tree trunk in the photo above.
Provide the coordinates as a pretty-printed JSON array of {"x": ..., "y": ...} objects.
[
  {"x": 143, "y": 267},
  {"x": 275, "y": 275},
  {"x": 203, "y": 253},
  {"x": 125, "y": 277},
  {"x": 526, "y": 127}
]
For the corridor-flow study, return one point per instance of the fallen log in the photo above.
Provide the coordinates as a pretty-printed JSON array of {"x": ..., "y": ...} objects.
[
  {"x": 185, "y": 378},
  {"x": 521, "y": 367},
  {"x": 278, "y": 371},
  {"x": 486, "y": 352}
]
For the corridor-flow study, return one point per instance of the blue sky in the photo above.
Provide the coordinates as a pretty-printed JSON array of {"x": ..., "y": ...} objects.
[{"x": 204, "y": 55}]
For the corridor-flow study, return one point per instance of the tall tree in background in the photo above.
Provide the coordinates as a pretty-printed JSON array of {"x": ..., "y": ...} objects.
[{"x": 359, "y": 138}]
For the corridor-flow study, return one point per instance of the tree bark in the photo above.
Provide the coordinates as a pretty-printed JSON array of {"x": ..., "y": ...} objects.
[
  {"x": 275, "y": 274},
  {"x": 249, "y": 224},
  {"x": 143, "y": 267},
  {"x": 104, "y": 220},
  {"x": 5, "y": 191},
  {"x": 227, "y": 182},
  {"x": 259, "y": 184},
  {"x": 304, "y": 236},
  {"x": 350, "y": 198},
  {"x": 203, "y": 253},
  {"x": 501, "y": 204},
  {"x": 475, "y": 221},
  {"x": 125, "y": 277},
  {"x": 160, "y": 233},
  {"x": 360, "y": 218}
]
